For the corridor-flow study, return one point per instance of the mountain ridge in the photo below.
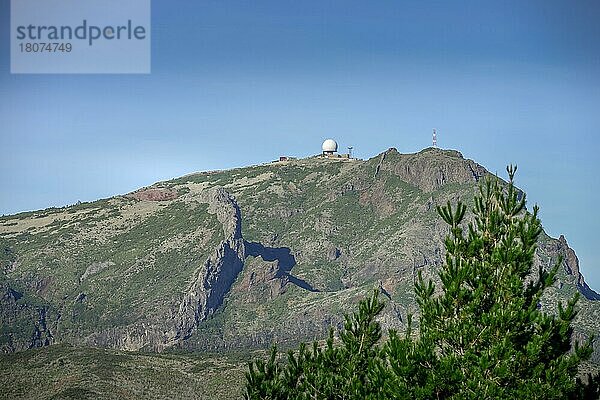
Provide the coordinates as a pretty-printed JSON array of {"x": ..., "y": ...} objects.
[{"x": 241, "y": 258}]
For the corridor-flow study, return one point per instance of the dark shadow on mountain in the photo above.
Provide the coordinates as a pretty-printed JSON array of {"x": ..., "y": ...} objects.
[
  {"x": 301, "y": 283},
  {"x": 285, "y": 262},
  {"x": 588, "y": 292}
]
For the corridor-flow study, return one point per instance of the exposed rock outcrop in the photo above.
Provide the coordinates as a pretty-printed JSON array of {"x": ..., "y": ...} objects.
[
  {"x": 431, "y": 168},
  {"x": 571, "y": 266},
  {"x": 154, "y": 194},
  {"x": 143, "y": 335},
  {"x": 94, "y": 268},
  {"x": 263, "y": 278},
  {"x": 213, "y": 279}
]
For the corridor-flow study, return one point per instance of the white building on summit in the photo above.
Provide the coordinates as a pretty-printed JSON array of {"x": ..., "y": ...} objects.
[{"x": 329, "y": 147}]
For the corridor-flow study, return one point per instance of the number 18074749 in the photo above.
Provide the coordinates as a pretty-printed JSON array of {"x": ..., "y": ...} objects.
[{"x": 45, "y": 47}]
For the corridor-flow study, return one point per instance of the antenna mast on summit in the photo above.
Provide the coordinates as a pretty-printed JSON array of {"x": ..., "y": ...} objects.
[{"x": 434, "y": 139}]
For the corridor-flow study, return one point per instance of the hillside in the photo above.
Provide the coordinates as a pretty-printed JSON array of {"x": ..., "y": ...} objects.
[
  {"x": 239, "y": 259},
  {"x": 64, "y": 372}
]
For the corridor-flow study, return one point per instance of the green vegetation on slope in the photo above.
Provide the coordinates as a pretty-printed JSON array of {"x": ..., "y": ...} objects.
[
  {"x": 482, "y": 335},
  {"x": 116, "y": 270},
  {"x": 65, "y": 372}
]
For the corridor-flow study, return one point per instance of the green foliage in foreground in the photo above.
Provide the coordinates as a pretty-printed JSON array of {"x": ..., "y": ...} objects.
[{"x": 482, "y": 336}]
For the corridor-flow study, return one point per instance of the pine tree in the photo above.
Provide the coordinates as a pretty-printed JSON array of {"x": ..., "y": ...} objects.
[
  {"x": 485, "y": 334},
  {"x": 347, "y": 371},
  {"x": 482, "y": 335}
]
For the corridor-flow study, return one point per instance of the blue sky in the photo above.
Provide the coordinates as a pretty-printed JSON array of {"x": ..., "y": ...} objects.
[{"x": 235, "y": 83}]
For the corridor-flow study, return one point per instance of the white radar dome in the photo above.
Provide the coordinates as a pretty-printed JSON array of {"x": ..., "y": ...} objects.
[{"x": 329, "y": 146}]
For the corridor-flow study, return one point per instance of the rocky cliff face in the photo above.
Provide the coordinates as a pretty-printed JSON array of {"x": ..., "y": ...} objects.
[
  {"x": 214, "y": 278},
  {"x": 242, "y": 258},
  {"x": 570, "y": 263},
  {"x": 429, "y": 170},
  {"x": 14, "y": 312}
]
